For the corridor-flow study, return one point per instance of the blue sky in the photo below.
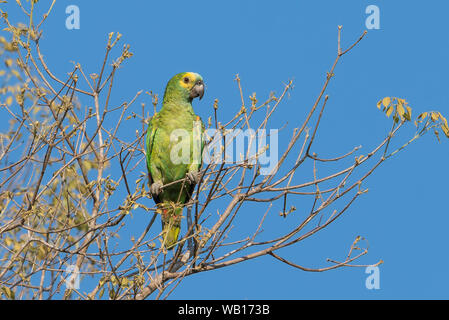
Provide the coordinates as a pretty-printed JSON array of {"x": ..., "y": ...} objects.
[{"x": 404, "y": 216}]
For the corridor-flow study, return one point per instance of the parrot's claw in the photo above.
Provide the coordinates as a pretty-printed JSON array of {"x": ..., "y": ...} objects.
[
  {"x": 193, "y": 177},
  {"x": 156, "y": 189}
]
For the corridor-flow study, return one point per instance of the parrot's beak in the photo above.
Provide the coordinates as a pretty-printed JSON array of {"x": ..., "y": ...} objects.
[{"x": 197, "y": 90}]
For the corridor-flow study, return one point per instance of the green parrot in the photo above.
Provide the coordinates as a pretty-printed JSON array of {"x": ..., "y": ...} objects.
[{"x": 174, "y": 146}]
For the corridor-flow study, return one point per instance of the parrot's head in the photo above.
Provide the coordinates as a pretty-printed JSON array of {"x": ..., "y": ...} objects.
[{"x": 185, "y": 86}]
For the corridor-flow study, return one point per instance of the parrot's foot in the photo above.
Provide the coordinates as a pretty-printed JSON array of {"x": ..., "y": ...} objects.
[
  {"x": 193, "y": 177},
  {"x": 156, "y": 189}
]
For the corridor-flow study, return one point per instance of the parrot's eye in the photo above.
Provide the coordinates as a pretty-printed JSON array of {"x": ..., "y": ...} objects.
[{"x": 186, "y": 80}]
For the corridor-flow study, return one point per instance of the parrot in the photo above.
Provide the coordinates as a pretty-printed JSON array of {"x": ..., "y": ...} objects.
[{"x": 163, "y": 147}]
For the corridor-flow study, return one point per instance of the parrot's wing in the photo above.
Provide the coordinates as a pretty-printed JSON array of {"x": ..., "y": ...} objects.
[
  {"x": 202, "y": 144},
  {"x": 191, "y": 189},
  {"x": 151, "y": 132}
]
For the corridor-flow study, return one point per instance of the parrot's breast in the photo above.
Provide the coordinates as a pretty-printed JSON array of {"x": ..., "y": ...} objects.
[{"x": 174, "y": 141}]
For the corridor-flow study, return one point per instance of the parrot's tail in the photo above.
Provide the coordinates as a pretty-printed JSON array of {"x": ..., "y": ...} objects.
[{"x": 171, "y": 225}]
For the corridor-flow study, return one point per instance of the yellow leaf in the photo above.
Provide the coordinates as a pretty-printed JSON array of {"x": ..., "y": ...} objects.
[
  {"x": 379, "y": 104},
  {"x": 8, "y": 241},
  {"x": 409, "y": 111},
  {"x": 445, "y": 129},
  {"x": 8, "y": 62},
  {"x": 9, "y": 100},
  {"x": 400, "y": 109},
  {"x": 389, "y": 111},
  {"x": 386, "y": 101},
  {"x": 16, "y": 73},
  {"x": 434, "y": 116},
  {"x": 422, "y": 116},
  {"x": 408, "y": 114}
]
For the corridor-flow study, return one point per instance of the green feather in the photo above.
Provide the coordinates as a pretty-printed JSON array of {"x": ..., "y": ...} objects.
[{"x": 176, "y": 113}]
